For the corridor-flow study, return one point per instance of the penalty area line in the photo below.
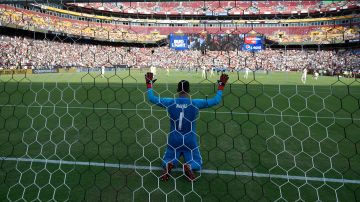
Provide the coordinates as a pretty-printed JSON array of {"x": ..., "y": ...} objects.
[{"x": 204, "y": 171}]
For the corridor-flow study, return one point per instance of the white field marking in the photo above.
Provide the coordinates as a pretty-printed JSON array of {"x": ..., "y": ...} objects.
[
  {"x": 204, "y": 171},
  {"x": 319, "y": 89},
  {"x": 161, "y": 110}
]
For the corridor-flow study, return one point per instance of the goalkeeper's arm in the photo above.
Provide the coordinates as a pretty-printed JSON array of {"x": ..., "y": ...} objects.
[
  {"x": 205, "y": 103},
  {"x": 162, "y": 102}
]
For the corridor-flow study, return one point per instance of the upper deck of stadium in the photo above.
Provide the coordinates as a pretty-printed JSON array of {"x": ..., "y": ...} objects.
[
  {"x": 58, "y": 19},
  {"x": 220, "y": 9}
]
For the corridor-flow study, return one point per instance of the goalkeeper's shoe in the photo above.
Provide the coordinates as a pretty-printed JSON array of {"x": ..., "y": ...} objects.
[
  {"x": 166, "y": 173},
  {"x": 190, "y": 175}
]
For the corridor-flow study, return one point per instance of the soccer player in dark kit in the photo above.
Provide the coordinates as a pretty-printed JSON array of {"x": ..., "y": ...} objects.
[{"x": 183, "y": 113}]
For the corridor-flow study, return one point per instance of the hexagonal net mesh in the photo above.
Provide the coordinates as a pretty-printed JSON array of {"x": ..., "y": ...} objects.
[{"x": 79, "y": 122}]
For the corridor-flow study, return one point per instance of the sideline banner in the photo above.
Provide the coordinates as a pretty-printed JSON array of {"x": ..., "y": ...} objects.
[
  {"x": 67, "y": 70},
  {"x": 44, "y": 71},
  {"x": 15, "y": 71}
]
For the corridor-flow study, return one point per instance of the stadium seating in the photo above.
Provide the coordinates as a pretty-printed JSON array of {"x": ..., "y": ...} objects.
[
  {"x": 220, "y": 7},
  {"x": 25, "y": 18},
  {"x": 39, "y": 54},
  {"x": 140, "y": 33}
]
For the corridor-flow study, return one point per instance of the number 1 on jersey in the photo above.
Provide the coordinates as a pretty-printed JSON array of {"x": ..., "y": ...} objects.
[{"x": 180, "y": 120}]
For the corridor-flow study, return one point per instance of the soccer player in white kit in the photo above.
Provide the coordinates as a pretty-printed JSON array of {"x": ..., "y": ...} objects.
[
  {"x": 316, "y": 75},
  {"x": 102, "y": 71},
  {"x": 303, "y": 76},
  {"x": 246, "y": 75},
  {"x": 203, "y": 75},
  {"x": 153, "y": 70},
  {"x": 212, "y": 72},
  {"x": 168, "y": 71}
]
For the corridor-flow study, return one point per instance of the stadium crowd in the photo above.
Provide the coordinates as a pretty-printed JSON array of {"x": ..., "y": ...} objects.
[
  {"x": 105, "y": 31},
  {"x": 219, "y": 7},
  {"x": 19, "y": 52},
  {"x": 323, "y": 34}
]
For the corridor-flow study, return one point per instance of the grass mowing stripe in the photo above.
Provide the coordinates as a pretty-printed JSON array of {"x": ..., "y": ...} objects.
[
  {"x": 158, "y": 110},
  {"x": 205, "y": 171}
]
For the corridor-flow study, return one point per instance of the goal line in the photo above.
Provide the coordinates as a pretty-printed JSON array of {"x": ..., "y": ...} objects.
[{"x": 204, "y": 171}]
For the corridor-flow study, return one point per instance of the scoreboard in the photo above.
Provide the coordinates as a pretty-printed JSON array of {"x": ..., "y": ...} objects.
[
  {"x": 179, "y": 42},
  {"x": 253, "y": 43}
]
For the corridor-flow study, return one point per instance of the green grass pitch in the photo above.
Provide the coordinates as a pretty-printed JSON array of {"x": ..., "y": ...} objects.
[{"x": 285, "y": 140}]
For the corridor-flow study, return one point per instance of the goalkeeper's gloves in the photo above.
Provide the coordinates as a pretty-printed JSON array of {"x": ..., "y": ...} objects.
[
  {"x": 149, "y": 78},
  {"x": 223, "y": 79}
]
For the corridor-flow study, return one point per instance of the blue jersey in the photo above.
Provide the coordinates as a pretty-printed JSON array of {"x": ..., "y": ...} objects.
[{"x": 183, "y": 112}]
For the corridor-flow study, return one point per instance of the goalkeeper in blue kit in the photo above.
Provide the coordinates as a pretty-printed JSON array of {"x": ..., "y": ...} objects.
[{"x": 183, "y": 113}]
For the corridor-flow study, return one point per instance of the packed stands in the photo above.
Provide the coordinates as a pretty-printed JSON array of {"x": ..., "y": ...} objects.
[
  {"x": 28, "y": 19},
  {"x": 49, "y": 54},
  {"x": 320, "y": 35},
  {"x": 221, "y": 8},
  {"x": 317, "y": 30}
]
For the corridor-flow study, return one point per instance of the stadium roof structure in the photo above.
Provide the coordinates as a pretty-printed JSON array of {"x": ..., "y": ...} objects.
[
  {"x": 99, "y": 1},
  {"x": 90, "y": 1}
]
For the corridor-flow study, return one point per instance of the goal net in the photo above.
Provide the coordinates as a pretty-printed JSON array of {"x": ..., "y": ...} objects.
[{"x": 76, "y": 122}]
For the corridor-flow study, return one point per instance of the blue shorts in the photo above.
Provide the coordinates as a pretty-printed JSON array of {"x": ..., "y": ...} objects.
[{"x": 191, "y": 156}]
